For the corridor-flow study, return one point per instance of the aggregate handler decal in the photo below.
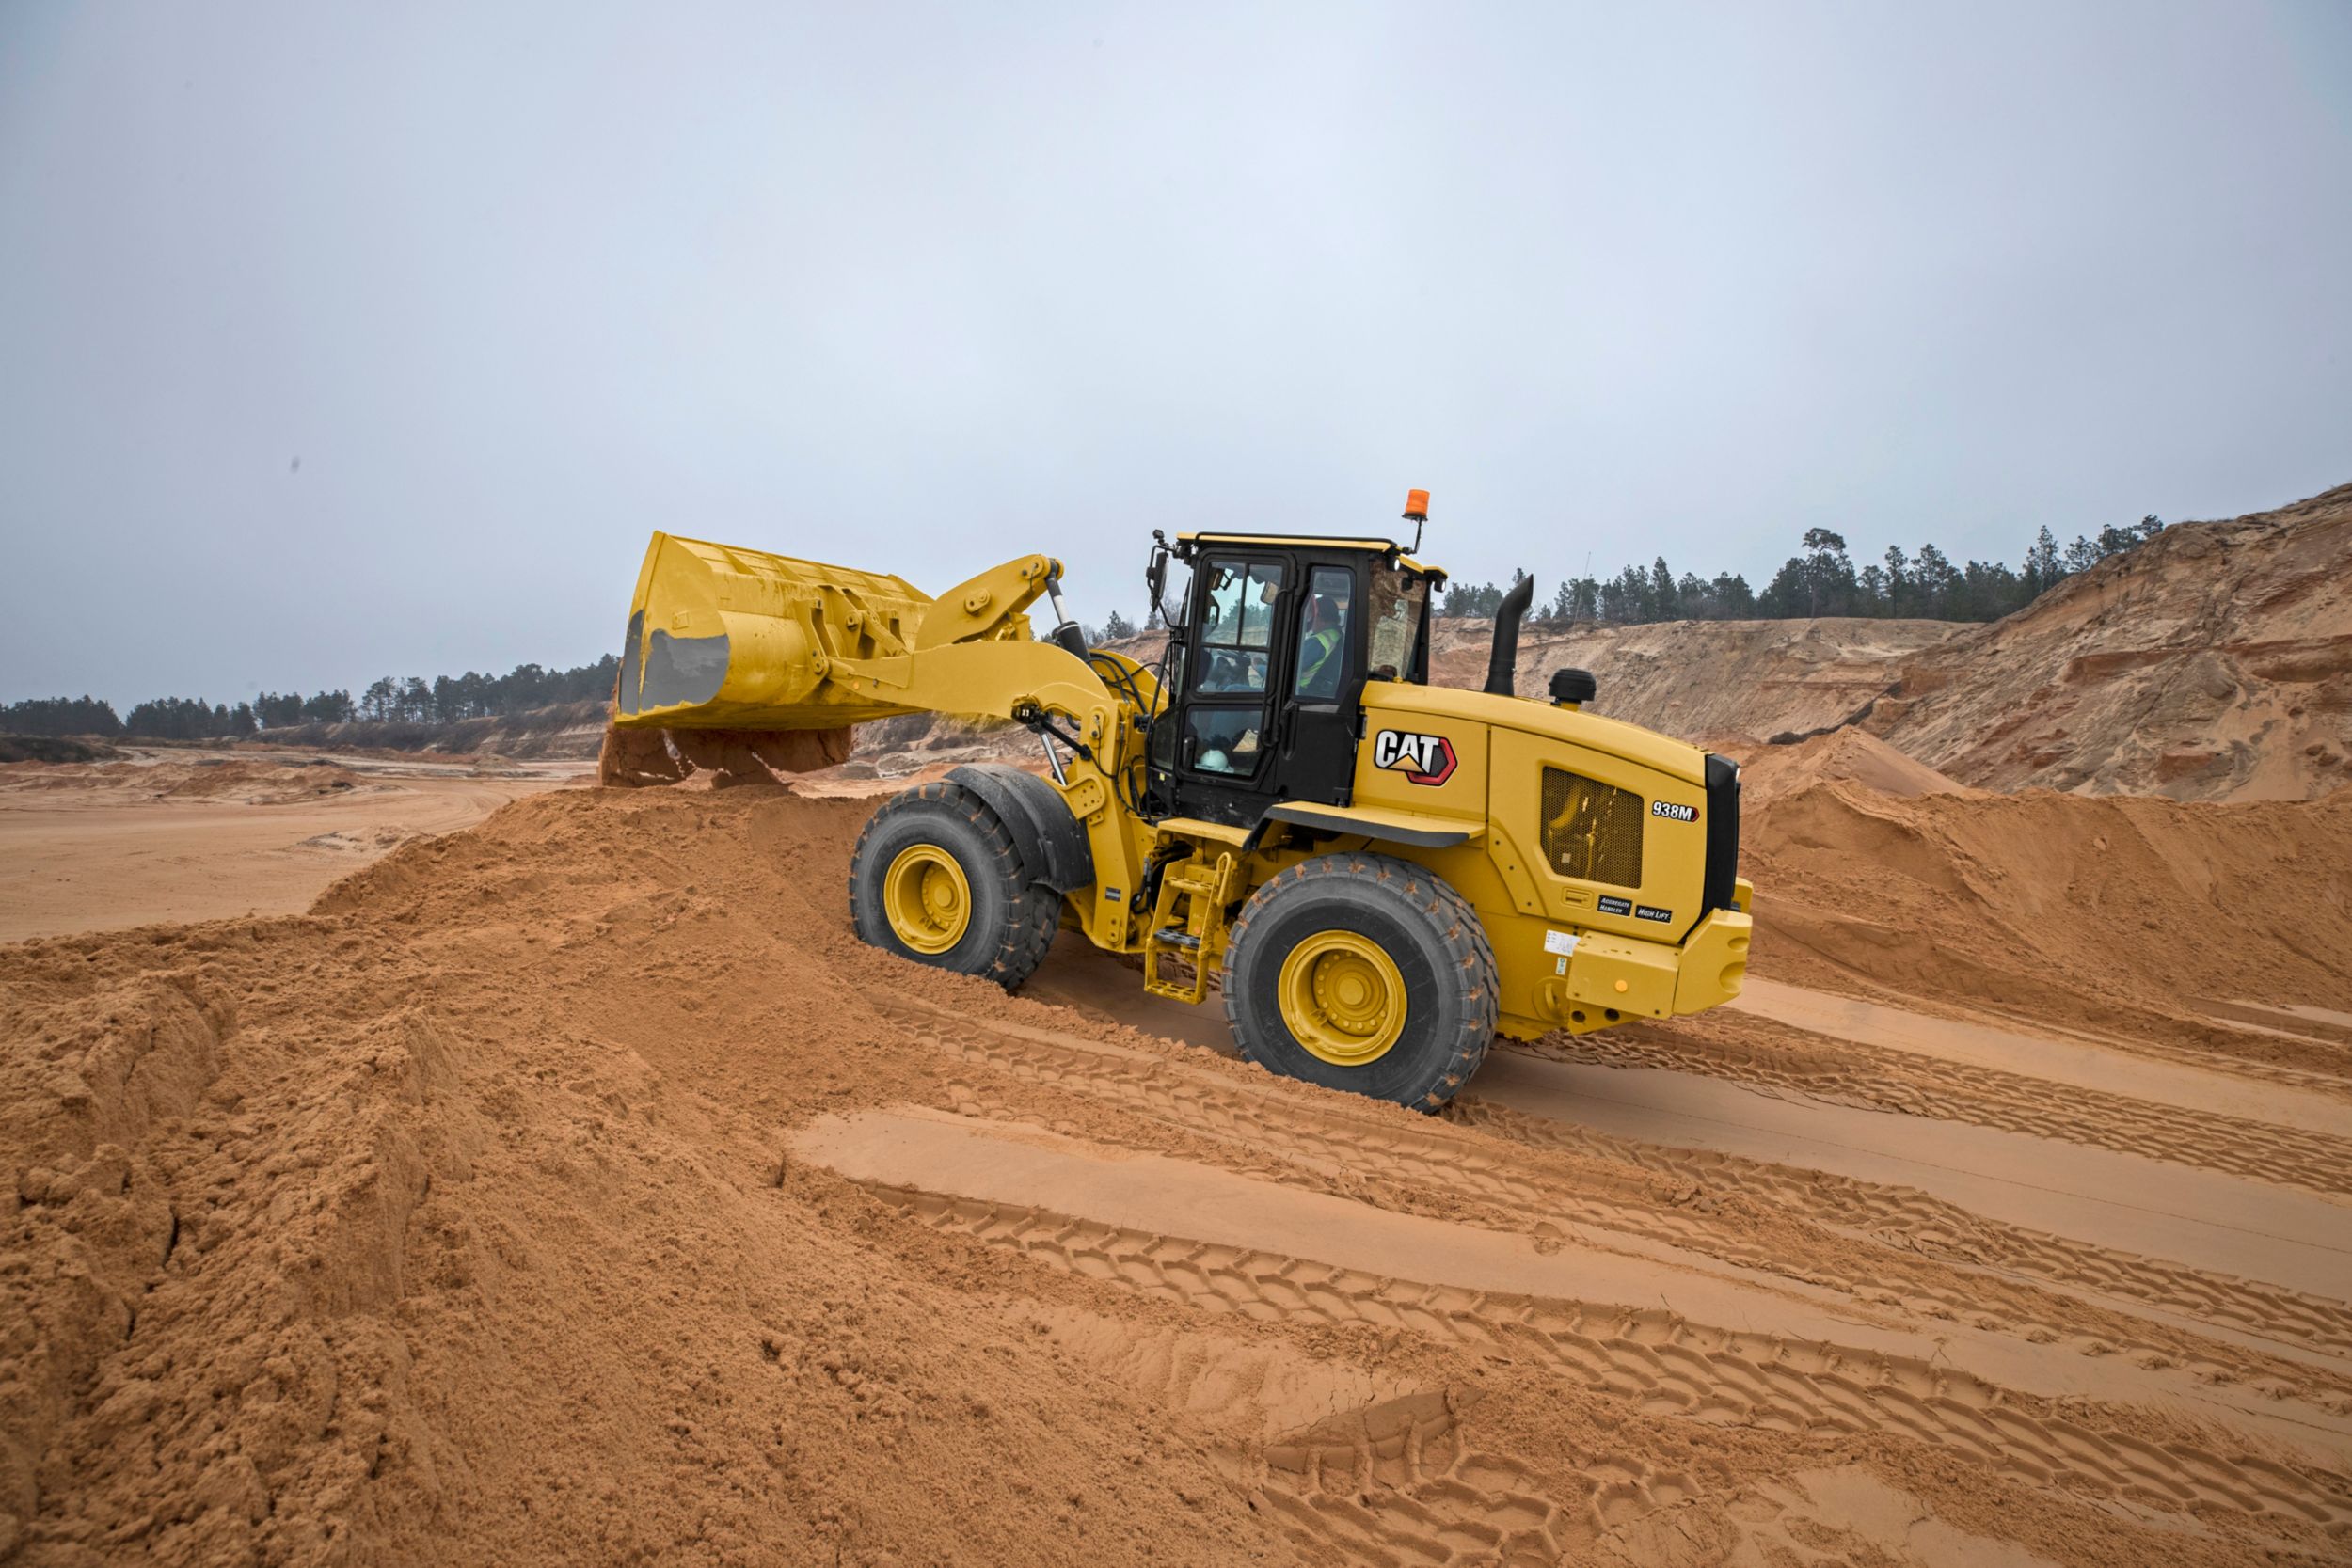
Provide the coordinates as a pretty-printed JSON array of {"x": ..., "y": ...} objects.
[
  {"x": 1640, "y": 911},
  {"x": 1423, "y": 759}
]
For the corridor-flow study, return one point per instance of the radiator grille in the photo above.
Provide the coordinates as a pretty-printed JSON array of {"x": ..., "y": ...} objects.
[{"x": 1592, "y": 830}]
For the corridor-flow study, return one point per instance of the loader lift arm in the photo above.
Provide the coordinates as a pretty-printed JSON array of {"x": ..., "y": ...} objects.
[{"x": 721, "y": 638}]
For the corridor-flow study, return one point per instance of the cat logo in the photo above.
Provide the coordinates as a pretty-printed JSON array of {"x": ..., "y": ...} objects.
[{"x": 1423, "y": 759}]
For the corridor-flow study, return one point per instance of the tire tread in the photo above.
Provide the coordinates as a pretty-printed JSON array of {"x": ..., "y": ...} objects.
[
  {"x": 1468, "y": 956},
  {"x": 1033, "y": 910}
]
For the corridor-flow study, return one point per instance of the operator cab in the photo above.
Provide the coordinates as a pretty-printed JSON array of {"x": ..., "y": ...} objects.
[{"x": 1271, "y": 640}]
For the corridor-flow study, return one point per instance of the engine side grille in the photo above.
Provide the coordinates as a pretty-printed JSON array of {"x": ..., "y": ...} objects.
[{"x": 1592, "y": 830}]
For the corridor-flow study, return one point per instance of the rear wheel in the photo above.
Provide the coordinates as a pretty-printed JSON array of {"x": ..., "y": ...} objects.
[
  {"x": 1365, "y": 973},
  {"x": 936, "y": 878}
]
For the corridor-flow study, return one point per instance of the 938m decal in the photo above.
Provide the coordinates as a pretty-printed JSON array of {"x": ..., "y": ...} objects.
[
  {"x": 1423, "y": 759},
  {"x": 1673, "y": 813}
]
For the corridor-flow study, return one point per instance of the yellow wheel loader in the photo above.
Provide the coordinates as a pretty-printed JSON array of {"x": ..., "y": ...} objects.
[{"x": 1380, "y": 874}]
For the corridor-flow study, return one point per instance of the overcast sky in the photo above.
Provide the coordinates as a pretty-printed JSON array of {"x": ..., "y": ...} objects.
[{"x": 338, "y": 341}]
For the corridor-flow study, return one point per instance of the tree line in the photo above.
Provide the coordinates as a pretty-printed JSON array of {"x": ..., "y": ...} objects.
[
  {"x": 158, "y": 719},
  {"x": 443, "y": 700},
  {"x": 446, "y": 699},
  {"x": 1820, "y": 580}
]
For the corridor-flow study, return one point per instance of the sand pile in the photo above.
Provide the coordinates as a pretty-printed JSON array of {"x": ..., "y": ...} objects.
[
  {"x": 2115, "y": 913},
  {"x": 1769, "y": 773},
  {"x": 557, "y": 1191},
  {"x": 255, "y": 784},
  {"x": 452, "y": 1223},
  {"x": 113, "y": 775},
  {"x": 2212, "y": 663}
]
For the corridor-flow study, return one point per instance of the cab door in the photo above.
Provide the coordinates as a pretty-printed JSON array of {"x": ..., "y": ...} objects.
[
  {"x": 1226, "y": 753},
  {"x": 1316, "y": 732}
]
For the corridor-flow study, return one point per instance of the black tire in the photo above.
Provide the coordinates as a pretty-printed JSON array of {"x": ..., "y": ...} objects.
[
  {"x": 1012, "y": 920},
  {"x": 1428, "y": 931}
]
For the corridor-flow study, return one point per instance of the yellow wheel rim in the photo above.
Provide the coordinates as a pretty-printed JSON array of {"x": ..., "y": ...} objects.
[
  {"x": 1342, "y": 998},
  {"x": 926, "y": 898}
]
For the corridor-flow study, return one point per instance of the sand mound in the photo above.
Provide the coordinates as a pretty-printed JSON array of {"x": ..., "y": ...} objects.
[
  {"x": 578, "y": 1188},
  {"x": 253, "y": 783},
  {"x": 1769, "y": 773},
  {"x": 2111, "y": 914},
  {"x": 111, "y": 775},
  {"x": 348, "y": 1244}
]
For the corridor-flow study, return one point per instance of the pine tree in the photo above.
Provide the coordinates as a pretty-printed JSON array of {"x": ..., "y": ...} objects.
[
  {"x": 2043, "y": 567},
  {"x": 1828, "y": 575},
  {"x": 1934, "y": 578},
  {"x": 1664, "y": 602},
  {"x": 1876, "y": 586}
]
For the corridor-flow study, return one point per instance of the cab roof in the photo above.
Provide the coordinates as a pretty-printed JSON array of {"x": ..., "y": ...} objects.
[{"x": 1315, "y": 541}]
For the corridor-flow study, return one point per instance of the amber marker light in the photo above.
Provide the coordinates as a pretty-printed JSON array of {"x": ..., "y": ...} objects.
[{"x": 1417, "y": 505}]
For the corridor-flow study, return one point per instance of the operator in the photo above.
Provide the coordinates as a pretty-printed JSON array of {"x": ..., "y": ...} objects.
[{"x": 1319, "y": 648}]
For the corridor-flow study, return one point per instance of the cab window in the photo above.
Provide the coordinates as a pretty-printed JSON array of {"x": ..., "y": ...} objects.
[
  {"x": 1224, "y": 740},
  {"x": 1323, "y": 626},
  {"x": 1398, "y": 602},
  {"x": 1237, "y": 632}
]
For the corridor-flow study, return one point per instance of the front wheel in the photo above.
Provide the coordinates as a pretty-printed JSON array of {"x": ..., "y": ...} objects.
[
  {"x": 1364, "y": 972},
  {"x": 936, "y": 878}
]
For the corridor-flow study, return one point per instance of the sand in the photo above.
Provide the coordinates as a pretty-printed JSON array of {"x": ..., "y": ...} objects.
[
  {"x": 175, "y": 835},
  {"x": 574, "y": 1187},
  {"x": 2093, "y": 915},
  {"x": 2212, "y": 663}
]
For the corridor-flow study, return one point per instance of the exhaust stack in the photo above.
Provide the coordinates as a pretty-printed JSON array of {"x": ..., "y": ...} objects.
[{"x": 1506, "y": 652}]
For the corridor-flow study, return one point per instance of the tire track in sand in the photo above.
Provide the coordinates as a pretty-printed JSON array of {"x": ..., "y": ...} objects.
[
  {"x": 1334, "y": 1138},
  {"x": 1403, "y": 1482},
  {"x": 1920, "y": 1222},
  {"x": 1988, "y": 1097},
  {"x": 1395, "y": 1483},
  {"x": 1355, "y": 1466},
  {"x": 1662, "y": 1363}
]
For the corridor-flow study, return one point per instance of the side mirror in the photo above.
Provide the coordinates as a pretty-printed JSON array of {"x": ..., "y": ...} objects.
[{"x": 1156, "y": 575}]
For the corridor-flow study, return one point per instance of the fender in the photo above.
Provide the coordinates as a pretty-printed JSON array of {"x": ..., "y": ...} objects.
[
  {"x": 1052, "y": 843},
  {"x": 1418, "y": 828}
]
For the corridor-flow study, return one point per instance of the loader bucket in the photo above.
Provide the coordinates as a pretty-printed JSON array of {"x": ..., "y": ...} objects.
[{"x": 721, "y": 638}]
